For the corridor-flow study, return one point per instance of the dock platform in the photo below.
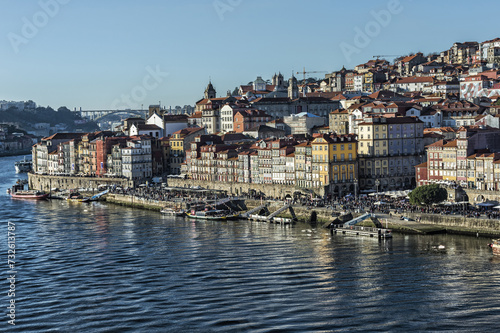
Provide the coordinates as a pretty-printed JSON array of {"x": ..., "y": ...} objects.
[{"x": 362, "y": 231}]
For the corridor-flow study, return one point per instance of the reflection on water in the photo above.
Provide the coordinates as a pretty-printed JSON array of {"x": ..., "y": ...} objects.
[{"x": 97, "y": 267}]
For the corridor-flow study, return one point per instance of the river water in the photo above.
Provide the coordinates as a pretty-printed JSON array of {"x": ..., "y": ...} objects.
[{"x": 105, "y": 268}]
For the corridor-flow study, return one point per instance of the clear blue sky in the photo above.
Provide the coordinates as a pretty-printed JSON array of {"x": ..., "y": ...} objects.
[{"x": 93, "y": 54}]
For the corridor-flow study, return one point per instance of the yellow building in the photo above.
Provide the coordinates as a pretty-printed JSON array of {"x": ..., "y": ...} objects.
[
  {"x": 449, "y": 161},
  {"x": 373, "y": 138},
  {"x": 334, "y": 163},
  {"x": 339, "y": 121},
  {"x": 179, "y": 143}
]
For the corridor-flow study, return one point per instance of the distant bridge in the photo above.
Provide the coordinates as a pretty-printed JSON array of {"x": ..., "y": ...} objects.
[{"x": 97, "y": 114}]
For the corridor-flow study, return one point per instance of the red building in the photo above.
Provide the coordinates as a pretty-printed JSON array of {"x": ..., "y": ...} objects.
[
  {"x": 421, "y": 173},
  {"x": 103, "y": 147},
  {"x": 244, "y": 120}
]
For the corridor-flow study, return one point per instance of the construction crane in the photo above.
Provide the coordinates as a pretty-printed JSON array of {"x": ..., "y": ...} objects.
[{"x": 304, "y": 73}]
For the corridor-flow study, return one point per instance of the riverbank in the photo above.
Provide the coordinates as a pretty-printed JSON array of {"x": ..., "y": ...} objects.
[
  {"x": 15, "y": 153},
  {"x": 428, "y": 223},
  {"x": 478, "y": 228}
]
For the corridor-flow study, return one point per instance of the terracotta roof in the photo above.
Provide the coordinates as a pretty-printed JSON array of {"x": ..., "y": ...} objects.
[
  {"x": 147, "y": 127},
  {"x": 439, "y": 143},
  {"x": 415, "y": 79},
  {"x": 339, "y": 111},
  {"x": 188, "y": 130},
  {"x": 451, "y": 144},
  {"x": 65, "y": 136}
]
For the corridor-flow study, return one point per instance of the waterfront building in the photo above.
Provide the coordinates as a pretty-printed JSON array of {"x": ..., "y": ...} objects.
[
  {"x": 244, "y": 163},
  {"x": 136, "y": 158},
  {"x": 179, "y": 144},
  {"x": 264, "y": 170},
  {"x": 103, "y": 148},
  {"x": 455, "y": 161},
  {"x": 41, "y": 150},
  {"x": 53, "y": 167},
  {"x": 303, "y": 165},
  {"x": 280, "y": 149},
  {"x": 334, "y": 163},
  {"x": 114, "y": 160},
  {"x": 389, "y": 149}
]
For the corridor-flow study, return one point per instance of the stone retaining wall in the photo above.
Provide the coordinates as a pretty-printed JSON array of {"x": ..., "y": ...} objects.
[
  {"x": 457, "y": 221},
  {"x": 270, "y": 190},
  {"x": 132, "y": 201},
  {"x": 47, "y": 182}
]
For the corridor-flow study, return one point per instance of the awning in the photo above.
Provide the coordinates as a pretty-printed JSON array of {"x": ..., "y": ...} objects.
[{"x": 486, "y": 204}]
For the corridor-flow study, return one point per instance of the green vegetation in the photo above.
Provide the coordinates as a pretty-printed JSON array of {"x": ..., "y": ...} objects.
[
  {"x": 27, "y": 118},
  {"x": 428, "y": 195}
]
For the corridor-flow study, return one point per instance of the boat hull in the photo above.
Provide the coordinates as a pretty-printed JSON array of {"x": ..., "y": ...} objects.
[
  {"x": 495, "y": 247},
  {"x": 198, "y": 217},
  {"x": 79, "y": 200},
  {"x": 171, "y": 212},
  {"x": 215, "y": 218},
  {"x": 22, "y": 166},
  {"x": 29, "y": 196}
]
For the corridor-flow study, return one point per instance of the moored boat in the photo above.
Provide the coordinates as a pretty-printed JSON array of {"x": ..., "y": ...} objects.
[
  {"x": 77, "y": 197},
  {"x": 172, "y": 212},
  {"x": 495, "y": 246},
  {"x": 23, "y": 166},
  {"x": 214, "y": 214},
  {"x": 17, "y": 192}
]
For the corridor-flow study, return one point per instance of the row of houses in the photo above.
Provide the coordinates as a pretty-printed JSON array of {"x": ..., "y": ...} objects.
[
  {"x": 386, "y": 149},
  {"x": 471, "y": 160},
  {"x": 100, "y": 154}
]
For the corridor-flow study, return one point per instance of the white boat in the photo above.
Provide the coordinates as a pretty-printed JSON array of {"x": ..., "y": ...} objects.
[
  {"x": 23, "y": 166},
  {"x": 495, "y": 246},
  {"x": 172, "y": 212},
  {"x": 214, "y": 214}
]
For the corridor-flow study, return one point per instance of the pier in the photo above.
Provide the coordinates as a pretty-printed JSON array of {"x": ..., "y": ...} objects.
[
  {"x": 361, "y": 231},
  {"x": 271, "y": 218}
]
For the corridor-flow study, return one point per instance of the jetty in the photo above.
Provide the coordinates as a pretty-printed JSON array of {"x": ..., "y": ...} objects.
[
  {"x": 350, "y": 227},
  {"x": 272, "y": 217}
]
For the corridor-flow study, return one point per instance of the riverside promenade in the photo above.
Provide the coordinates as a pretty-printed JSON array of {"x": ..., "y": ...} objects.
[{"x": 472, "y": 221}]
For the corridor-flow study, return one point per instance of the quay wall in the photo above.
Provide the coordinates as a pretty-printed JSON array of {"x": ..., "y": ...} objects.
[
  {"x": 133, "y": 201},
  {"x": 47, "y": 182},
  {"x": 271, "y": 190},
  {"x": 457, "y": 221}
]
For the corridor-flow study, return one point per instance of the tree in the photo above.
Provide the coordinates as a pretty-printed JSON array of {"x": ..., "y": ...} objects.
[{"x": 427, "y": 195}]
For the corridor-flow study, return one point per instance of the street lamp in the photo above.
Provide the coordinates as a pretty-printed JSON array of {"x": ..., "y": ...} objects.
[
  {"x": 377, "y": 183},
  {"x": 356, "y": 189}
]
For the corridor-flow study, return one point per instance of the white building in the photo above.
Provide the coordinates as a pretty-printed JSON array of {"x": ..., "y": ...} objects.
[
  {"x": 146, "y": 129},
  {"x": 168, "y": 123},
  {"x": 414, "y": 83},
  {"x": 137, "y": 160},
  {"x": 359, "y": 80}
]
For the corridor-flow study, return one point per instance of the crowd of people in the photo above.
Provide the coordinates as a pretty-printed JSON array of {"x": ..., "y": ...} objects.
[{"x": 393, "y": 206}]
